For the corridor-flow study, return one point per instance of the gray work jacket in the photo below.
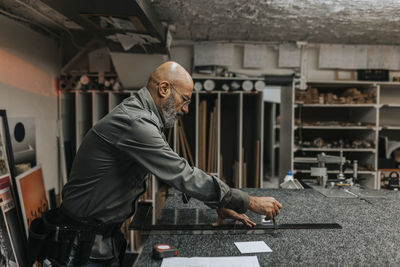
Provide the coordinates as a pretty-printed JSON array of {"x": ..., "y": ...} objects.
[{"x": 112, "y": 166}]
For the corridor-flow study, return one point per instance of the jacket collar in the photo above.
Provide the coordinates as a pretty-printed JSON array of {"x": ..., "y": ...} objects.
[{"x": 149, "y": 104}]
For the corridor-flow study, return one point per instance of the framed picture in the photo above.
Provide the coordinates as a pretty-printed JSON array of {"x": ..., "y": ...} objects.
[
  {"x": 7, "y": 252},
  {"x": 12, "y": 238},
  {"x": 3, "y": 153},
  {"x": 32, "y": 195},
  {"x": 23, "y": 139},
  {"x": 11, "y": 207}
]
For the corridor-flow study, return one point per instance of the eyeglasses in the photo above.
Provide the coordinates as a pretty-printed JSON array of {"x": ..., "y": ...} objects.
[{"x": 186, "y": 100}]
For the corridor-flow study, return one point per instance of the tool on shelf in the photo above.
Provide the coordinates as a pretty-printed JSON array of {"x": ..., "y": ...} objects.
[
  {"x": 392, "y": 182},
  {"x": 322, "y": 174}
]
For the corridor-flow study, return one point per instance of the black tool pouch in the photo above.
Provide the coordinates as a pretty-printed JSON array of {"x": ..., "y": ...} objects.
[
  {"x": 59, "y": 246},
  {"x": 120, "y": 245},
  {"x": 38, "y": 234},
  {"x": 49, "y": 239},
  {"x": 85, "y": 240}
]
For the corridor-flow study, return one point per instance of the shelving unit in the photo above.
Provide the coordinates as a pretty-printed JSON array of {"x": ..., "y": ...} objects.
[
  {"x": 389, "y": 119},
  {"x": 348, "y": 115},
  {"x": 380, "y": 119},
  {"x": 240, "y": 138}
]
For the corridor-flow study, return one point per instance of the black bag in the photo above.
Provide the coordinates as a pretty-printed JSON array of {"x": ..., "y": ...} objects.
[
  {"x": 51, "y": 237},
  {"x": 38, "y": 234}
]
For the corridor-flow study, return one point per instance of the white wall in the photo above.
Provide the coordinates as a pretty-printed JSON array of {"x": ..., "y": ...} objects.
[
  {"x": 183, "y": 54},
  {"x": 29, "y": 64}
]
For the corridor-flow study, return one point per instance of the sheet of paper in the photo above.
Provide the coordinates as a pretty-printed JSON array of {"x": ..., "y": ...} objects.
[
  {"x": 248, "y": 261},
  {"x": 206, "y": 54},
  {"x": 254, "y": 56},
  {"x": 253, "y": 247},
  {"x": 289, "y": 56}
]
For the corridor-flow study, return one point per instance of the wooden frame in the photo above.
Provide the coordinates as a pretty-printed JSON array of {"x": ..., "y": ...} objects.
[
  {"x": 32, "y": 195},
  {"x": 19, "y": 240}
]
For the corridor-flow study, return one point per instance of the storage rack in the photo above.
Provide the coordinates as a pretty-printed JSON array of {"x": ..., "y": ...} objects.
[
  {"x": 240, "y": 123},
  {"x": 382, "y": 117},
  {"x": 389, "y": 123},
  {"x": 345, "y": 113}
]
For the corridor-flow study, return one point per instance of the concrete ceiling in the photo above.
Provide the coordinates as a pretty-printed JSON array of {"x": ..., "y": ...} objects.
[{"x": 319, "y": 21}]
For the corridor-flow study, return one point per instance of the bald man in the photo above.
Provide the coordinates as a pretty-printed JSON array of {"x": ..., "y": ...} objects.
[{"x": 117, "y": 156}]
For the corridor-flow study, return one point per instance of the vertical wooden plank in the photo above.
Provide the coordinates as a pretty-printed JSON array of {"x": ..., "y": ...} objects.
[
  {"x": 273, "y": 139},
  {"x": 244, "y": 175},
  {"x": 210, "y": 142},
  {"x": 257, "y": 158},
  {"x": 218, "y": 134},
  {"x": 197, "y": 130},
  {"x": 95, "y": 108},
  {"x": 186, "y": 143},
  {"x": 77, "y": 124},
  {"x": 176, "y": 139},
  {"x": 240, "y": 130},
  {"x": 286, "y": 131},
  {"x": 183, "y": 144},
  {"x": 261, "y": 145},
  {"x": 377, "y": 123}
]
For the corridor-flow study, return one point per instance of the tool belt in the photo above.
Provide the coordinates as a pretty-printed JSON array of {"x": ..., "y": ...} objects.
[{"x": 52, "y": 237}]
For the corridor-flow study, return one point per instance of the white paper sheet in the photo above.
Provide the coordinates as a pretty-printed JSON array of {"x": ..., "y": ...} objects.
[
  {"x": 254, "y": 56},
  {"x": 213, "y": 54},
  {"x": 289, "y": 56},
  {"x": 241, "y": 261},
  {"x": 253, "y": 247}
]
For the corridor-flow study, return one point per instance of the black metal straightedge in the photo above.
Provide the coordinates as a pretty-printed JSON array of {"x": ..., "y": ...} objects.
[
  {"x": 142, "y": 221},
  {"x": 209, "y": 227}
]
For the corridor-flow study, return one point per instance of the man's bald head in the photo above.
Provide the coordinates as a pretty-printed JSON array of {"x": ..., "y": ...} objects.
[
  {"x": 171, "y": 88},
  {"x": 172, "y": 72}
]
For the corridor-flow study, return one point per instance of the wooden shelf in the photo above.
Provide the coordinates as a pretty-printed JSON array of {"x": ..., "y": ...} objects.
[
  {"x": 336, "y": 105},
  {"x": 337, "y": 149},
  {"x": 390, "y": 127},
  {"x": 335, "y": 82},
  {"x": 226, "y": 92},
  {"x": 390, "y": 105},
  {"x": 338, "y": 127},
  {"x": 336, "y": 172},
  {"x": 194, "y": 77}
]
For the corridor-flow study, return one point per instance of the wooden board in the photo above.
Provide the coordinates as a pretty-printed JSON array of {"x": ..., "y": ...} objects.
[
  {"x": 257, "y": 157},
  {"x": 210, "y": 142},
  {"x": 244, "y": 175},
  {"x": 202, "y": 135},
  {"x": 186, "y": 143}
]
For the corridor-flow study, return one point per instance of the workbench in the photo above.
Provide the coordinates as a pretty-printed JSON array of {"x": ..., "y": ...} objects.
[{"x": 369, "y": 237}]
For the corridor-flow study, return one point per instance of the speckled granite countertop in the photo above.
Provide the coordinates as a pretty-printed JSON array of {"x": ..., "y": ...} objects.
[{"x": 370, "y": 234}]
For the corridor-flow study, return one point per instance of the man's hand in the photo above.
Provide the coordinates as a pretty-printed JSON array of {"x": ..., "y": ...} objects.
[
  {"x": 231, "y": 214},
  {"x": 268, "y": 206}
]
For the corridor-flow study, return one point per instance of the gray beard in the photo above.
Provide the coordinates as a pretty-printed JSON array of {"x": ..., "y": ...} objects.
[{"x": 168, "y": 110}]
